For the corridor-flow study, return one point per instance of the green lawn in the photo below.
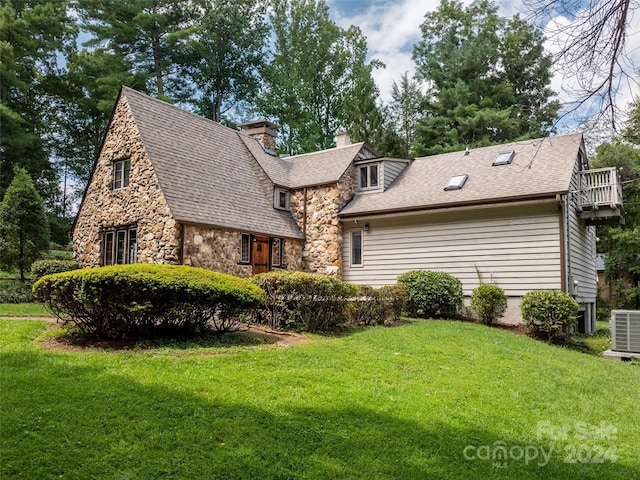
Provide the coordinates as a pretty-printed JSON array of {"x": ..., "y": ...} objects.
[
  {"x": 424, "y": 400},
  {"x": 24, "y": 310}
]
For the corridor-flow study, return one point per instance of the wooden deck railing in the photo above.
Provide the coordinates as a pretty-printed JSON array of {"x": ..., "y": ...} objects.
[{"x": 600, "y": 189}]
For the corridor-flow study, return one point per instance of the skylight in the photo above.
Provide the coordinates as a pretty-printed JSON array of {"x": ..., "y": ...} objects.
[
  {"x": 503, "y": 158},
  {"x": 456, "y": 182}
]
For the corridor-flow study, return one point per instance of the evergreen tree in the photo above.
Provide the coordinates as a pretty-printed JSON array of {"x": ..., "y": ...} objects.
[
  {"x": 24, "y": 231},
  {"x": 318, "y": 81},
  {"x": 488, "y": 79},
  {"x": 34, "y": 35},
  {"x": 225, "y": 52},
  {"x": 405, "y": 109}
]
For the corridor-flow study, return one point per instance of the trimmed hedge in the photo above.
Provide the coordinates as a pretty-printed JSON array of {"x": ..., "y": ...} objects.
[
  {"x": 144, "y": 300},
  {"x": 40, "y": 268},
  {"x": 376, "y": 306},
  {"x": 489, "y": 302},
  {"x": 431, "y": 293},
  {"x": 550, "y": 314},
  {"x": 303, "y": 301}
]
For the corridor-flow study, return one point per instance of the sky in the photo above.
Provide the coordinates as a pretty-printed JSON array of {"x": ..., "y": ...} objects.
[{"x": 392, "y": 27}]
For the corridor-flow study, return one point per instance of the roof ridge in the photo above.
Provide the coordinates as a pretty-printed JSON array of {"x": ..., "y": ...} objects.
[{"x": 351, "y": 145}]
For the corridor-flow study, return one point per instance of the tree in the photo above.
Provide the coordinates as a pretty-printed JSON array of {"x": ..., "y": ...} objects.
[
  {"x": 405, "y": 110},
  {"x": 487, "y": 79},
  {"x": 34, "y": 36},
  {"x": 591, "y": 43},
  {"x": 225, "y": 52},
  {"x": 622, "y": 243},
  {"x": 148, "y": 34},
  {"x": 24, "y": 231},
  {"x": 318, "y": 81}
]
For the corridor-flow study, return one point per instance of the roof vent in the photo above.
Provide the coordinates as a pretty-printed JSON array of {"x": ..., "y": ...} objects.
[
  {"x": 456, "y": 182},
  {"x": 503, "y": 158}
]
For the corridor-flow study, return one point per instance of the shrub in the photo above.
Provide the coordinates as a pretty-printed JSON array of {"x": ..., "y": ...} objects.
[
  {"x": 15, "y": 291},
  {"x": 40, "y": 268},
  {"x": 146, "y": 300},
  {"x": 431, "y": 293},
  {"x": 376, "y": 306},
  {"x": 303, "y": 301},
  {"x": 550, "y": 314},
  {"x": 489, "y": 302}
]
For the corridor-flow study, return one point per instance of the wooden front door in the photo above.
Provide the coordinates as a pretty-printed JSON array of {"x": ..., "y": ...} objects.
[{"x": 260, "y": 255}]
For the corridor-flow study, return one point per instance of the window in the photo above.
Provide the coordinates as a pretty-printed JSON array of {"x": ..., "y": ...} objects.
[
  {"x": 368, "y": 176},
  {"x": 456, "y": 182},
  {"x": 281, "y": 199},
  {"x": 121, "y": 174},
  {"x": 356, "y": 247},
  {"x": 245, "y": 248},
  {"x": 120, "y": 246},
  {"x": 276, "y": 252},
  {"x": 503, "y": 158}
]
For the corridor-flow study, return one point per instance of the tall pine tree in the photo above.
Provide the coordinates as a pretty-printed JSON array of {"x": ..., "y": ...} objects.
[{"x": 488, "y": 79}]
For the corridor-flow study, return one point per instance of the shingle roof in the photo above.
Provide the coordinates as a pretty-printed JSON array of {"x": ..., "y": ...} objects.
[
  {"x": 541, "y": 167},
  {"x": 317, "y": 168},
  {"x": 206, "y": 171}
]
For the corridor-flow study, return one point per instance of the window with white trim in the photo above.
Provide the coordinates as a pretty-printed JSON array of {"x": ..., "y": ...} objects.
[
  {"x": 245, "y": 248},
  {"x": 368, "y": 176},
  {"x": 121, "y": 170},
  {"x": 356, "y": 247},
  {"x": 120, "y": 246},
  {"x": 281, "y": 199}
]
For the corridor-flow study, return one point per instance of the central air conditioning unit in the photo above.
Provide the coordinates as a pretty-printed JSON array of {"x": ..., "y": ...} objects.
[{"x": 625, "y": 331}]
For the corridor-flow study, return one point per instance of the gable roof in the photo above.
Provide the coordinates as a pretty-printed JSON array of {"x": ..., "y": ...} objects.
[
  {"x": 207, "y": 174},
  {"x": 540, "y": 168},
  {"x": 317, "y": 168}
]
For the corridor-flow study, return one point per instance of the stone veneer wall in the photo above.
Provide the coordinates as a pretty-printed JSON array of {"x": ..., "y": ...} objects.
[
  {"x": 322, "y": 252},
  {"x": 141, "y": 204},
  {"x": 219, "y": 250}
]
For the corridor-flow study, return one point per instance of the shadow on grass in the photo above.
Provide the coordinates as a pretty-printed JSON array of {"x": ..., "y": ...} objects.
[{"x": 63, "y": 419}]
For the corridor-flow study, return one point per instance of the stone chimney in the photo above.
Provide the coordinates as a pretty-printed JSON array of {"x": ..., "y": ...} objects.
[
  {"x": 343, "y": 139},
  {"x": 264, "y": 131}
]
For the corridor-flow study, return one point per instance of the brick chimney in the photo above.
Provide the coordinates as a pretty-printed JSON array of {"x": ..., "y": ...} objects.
[
  {"x": 264, "y": 131},
  {"x": 343, "y": 139}
]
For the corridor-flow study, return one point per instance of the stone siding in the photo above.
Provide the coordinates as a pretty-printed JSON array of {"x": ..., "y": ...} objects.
[
  {"x": 322, "y": 251},
  {"x": 219, "y": 250},
  {"x": 141, "y": 204}
]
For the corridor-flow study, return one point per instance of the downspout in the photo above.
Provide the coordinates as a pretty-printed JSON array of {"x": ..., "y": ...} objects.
[
  {"x": 563, "y": 249},
  {"x": 182, "y": 242},
  {"x": 304, "y": 214}
]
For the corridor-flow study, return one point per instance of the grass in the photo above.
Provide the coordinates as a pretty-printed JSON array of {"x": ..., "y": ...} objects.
[
  {"x": 36, "y": 310},
  {"x": 380, "y": 403},
  {"x": 595, "y": 343}
]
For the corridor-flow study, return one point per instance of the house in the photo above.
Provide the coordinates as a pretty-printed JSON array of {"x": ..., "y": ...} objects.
[{"x": 169, "y": 186}]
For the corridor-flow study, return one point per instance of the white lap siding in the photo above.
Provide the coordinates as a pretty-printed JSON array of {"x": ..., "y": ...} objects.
[{"x": 516, "y": 247}]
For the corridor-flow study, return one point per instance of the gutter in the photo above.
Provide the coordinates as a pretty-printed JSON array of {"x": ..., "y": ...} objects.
[{"x": 391, "y": 213}]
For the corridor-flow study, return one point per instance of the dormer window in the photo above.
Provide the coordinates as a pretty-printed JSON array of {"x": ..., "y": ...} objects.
[
  {"x": 456, "y": 182},
  {"x": 368, "y": 176},
  {"x": 281, "y": 199},
  {"x": 503, "y": 158},
  {"x": 121, "y": 170}
]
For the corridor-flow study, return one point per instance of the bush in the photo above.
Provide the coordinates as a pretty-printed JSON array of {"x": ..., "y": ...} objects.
[
  {"x": 146, "y": 300},
  {"x": 489, "y": 302},
  {"x": 40, "y": 268},
  {"x": 15, "y": 291},
  {"x": 431, "y": 293},
  {"x": 376, "y": 306},
  {"x": 550, "y": 314},
  {"x": 303, "y": 301}
]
